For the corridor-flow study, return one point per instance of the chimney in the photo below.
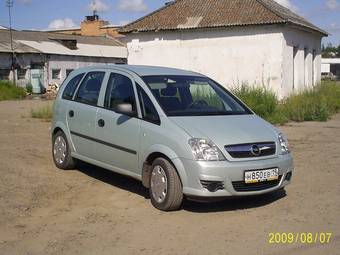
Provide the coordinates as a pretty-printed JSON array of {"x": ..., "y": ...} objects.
[{"x": 92, "y": 24}]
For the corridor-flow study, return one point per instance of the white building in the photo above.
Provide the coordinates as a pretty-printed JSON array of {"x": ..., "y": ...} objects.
[
  {"x": 330, "y": 67},
  {"x": 257, "y": 42},
  {"x": 42, "y": 58}
]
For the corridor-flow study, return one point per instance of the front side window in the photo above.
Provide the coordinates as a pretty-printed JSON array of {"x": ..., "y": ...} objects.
[
  {"x": 149, "y": 111},
  {"x": 89, "y": 89},
  {"x": 119, "y": 91},
  {"x": 71, "y": 87},
  {"x": 193, "y": 96}
]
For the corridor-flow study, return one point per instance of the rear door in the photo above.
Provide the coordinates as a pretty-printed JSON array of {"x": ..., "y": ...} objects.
[
  {"x": 81, "y": 116},
  {"x": 118, "y": 134}
]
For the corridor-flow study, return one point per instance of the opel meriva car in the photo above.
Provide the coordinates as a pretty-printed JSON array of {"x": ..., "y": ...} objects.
[{"x": 178, "y": 132}]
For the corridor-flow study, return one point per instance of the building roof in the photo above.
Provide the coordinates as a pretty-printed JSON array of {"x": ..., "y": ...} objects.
[
  {"x": 330, "y": 60},
  {"x": 62, "y": 29},
  {"x": 194, "y": 14},
  {"x": 48, "y": 36},
  {"x": 52, "y": 43}
]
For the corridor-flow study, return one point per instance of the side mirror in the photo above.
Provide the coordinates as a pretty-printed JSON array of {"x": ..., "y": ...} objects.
[{"x": 125, "y": 108}]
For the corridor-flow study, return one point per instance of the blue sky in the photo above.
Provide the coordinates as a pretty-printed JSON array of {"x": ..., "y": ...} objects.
[{"x": 44, "y": 14}]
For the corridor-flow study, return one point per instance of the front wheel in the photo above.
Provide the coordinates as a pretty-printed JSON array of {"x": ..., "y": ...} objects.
[
  {"x": 61, "y": 152},
  {"x": 166, "y": 191}
]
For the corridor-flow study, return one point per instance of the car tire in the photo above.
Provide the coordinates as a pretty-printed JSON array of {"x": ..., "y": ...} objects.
[
  {"x": 61, "y": 152},
  {"x": 165, "y": 190}
]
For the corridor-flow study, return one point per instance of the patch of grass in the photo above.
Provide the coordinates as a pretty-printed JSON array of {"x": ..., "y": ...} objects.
[
  {"x": 261, "y": 100},
  {"x": 44, "y": 113},
  {"x": 9, "y": 92},
  {"x": 317, "y": 104}
]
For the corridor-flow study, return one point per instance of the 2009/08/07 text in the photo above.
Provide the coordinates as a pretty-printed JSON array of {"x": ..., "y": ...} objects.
[{"x": 303, "y": 238}]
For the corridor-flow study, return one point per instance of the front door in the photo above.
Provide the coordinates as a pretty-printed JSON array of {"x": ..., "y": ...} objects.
[
  {"x": 37, "y": 80},
  {"x": 81, "y": 116},
  {"x": 118, "y": 134}
]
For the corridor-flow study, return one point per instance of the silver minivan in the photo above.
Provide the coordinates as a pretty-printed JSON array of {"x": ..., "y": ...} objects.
[{"x": 178, "y": 132}]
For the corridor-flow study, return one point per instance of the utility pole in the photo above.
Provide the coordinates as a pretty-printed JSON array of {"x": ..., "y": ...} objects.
[{"x": 9, "y": 4}]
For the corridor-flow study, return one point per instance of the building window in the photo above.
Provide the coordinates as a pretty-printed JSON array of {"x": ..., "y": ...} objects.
[
  {"x": 56, "y": 74},
  {"x": 21, "y": 74},
  {"x": 68, "y": 72},
  {"x": 4, "y": 74}
]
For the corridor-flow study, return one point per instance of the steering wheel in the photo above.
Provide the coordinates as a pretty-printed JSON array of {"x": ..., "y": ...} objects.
[{"x": 198, "y": 104}]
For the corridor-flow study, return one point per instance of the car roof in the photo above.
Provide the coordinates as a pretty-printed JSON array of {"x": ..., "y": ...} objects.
[{"x": 141, "y": 70}]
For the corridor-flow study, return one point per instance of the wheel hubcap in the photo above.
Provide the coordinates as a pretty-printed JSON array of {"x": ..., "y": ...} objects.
[
  {"x": 59, "y": 150},
  {"x": 159, "y": 184}
]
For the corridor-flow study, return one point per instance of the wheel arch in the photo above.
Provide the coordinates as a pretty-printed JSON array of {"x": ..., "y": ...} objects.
[
  {"x": 60, "y": 126},
  {"x": 168, "y": 154}
]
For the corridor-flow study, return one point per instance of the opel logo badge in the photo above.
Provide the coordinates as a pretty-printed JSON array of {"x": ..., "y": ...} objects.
[{"x": 255, "y": 150}]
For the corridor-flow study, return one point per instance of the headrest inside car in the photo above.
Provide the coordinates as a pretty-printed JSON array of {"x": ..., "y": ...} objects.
[{"x": 170, "y": 91}]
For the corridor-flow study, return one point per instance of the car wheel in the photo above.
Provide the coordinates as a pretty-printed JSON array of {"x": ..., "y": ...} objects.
[
  {"x": 61, "y": 152},
  {"x": 166, "y": 191}
]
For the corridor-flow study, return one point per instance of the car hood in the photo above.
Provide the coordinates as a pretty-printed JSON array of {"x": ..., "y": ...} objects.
[{"x": 228, "y": 130}]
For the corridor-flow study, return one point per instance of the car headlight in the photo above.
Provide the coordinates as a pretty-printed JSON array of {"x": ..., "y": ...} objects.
[
  {"x": 283, "y": 144},
  {"x": 205, "y": 150}
]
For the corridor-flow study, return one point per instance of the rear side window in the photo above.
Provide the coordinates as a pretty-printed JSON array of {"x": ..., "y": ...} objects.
[
  {"x": 119, "y": 90},
  {"x": 89, "y": 89},
  {"x": 72, "y": 86},
  {"x": 149, "y": 111}
]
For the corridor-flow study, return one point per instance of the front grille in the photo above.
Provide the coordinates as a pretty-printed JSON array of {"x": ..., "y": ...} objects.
[
  {"x": 212, "y": 186},
  {"x": 241, "y": 186},
  {"x": 251, "y": 150}
]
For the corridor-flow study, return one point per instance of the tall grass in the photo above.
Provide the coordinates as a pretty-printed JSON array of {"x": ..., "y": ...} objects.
[
  {"x": 317, "y": 104},
  {"x": 8, "y": 91},
  {"x": 44, "y": 113},
  {"x": 262, "y": 101}
]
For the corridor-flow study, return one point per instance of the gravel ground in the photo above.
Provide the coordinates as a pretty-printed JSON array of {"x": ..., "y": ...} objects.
[{"x": 44, "y": 210}]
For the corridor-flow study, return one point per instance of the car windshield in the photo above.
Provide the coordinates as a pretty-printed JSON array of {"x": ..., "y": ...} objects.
[{"x": 193, "y": 96}]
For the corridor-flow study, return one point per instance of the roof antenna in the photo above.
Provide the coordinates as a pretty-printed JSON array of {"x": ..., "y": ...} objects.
[{"x": 94, "y": 7}]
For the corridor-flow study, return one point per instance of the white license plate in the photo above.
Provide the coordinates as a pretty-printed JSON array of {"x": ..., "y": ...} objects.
[{"x": 261, "y": 175}]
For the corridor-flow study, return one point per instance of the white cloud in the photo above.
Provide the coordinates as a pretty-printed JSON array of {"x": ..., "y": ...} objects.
[
  {"x": 288, "y": 4},
  {"x": 61, "y": 24},
  {"x": 132, "y": 5},
  {"x": 334, "y": 27},
  {"x": 333, "y": 5},
  {"x": 99, "y": 6}
]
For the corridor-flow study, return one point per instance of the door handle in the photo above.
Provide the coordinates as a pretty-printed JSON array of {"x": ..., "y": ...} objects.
[
  {"x": 101, "y": 123},
  {"x": 71, "y": 114}
]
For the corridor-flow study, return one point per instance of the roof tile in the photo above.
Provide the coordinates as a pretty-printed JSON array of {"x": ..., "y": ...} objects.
[{"x": 189, "y": 14}]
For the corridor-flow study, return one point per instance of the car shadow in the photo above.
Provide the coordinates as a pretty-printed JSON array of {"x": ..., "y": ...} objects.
[
  {"x": 234, "y": 203},
  {"x": 135, "y": 186},
  {"x": 113, "y": 179}
]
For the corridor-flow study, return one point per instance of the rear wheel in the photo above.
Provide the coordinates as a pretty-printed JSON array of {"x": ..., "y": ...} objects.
[
  {"x": 165, "y": 186},
  {"x": 61, "y": 152}
]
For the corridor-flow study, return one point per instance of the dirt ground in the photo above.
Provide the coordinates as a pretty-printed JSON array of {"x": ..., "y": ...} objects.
[{"x": 44, "y": 210}]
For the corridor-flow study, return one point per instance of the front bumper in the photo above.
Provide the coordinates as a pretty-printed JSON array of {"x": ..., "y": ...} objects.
[{"x": 192, "y": 174}]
